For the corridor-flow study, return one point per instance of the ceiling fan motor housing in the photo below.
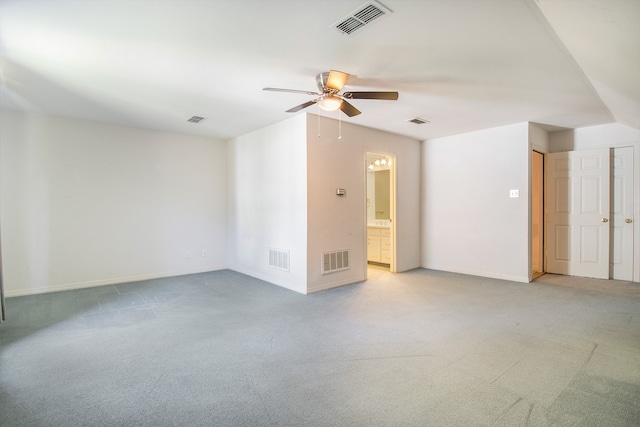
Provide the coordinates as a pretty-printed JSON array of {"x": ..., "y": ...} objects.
[{"x": 321, "y": 81}]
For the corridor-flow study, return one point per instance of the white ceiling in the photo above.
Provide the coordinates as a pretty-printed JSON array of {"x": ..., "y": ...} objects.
[{"x": 461, "y": 64}]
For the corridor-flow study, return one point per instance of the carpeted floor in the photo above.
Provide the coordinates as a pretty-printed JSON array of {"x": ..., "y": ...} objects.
[{"x": 417, "y": 348}]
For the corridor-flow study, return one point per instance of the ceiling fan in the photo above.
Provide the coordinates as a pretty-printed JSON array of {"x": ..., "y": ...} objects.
[{"x": 330, "y": 99}]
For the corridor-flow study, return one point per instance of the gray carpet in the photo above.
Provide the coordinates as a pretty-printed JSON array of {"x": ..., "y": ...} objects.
[{"x": 418, "y": 348}]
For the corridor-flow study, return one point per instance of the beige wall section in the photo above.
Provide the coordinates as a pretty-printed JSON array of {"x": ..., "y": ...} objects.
[
  {"x": 86, "y": 204},
  {"x": 268, "y": 202},
  {"x": 339, "y": 222},
  {"x": 470, "y": 224}
]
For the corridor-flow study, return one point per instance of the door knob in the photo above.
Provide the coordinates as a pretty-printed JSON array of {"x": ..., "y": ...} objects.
[
  {"x": 604, "y": 220},
  {"x": 628, "y": 220}
]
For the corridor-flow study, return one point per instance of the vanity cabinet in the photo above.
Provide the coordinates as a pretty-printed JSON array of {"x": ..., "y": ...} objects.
[
  {"x": 373, "y": 245},
  {"x": 379, "y": 244}
]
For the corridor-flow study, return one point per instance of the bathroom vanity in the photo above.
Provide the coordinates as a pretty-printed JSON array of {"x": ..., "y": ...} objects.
[{"x": 379, "y": 243}]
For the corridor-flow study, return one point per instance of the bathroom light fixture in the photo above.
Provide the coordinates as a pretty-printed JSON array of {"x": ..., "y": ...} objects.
[
  {"x": 330, "y": 103},
  {"x": 381, "y": 164}
]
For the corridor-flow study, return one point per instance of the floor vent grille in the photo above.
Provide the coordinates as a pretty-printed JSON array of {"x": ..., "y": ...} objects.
[
  {"x": 362, "y": 16},
  {"x": 335, "y": 261},
  {"x": 279, "y": 259}
]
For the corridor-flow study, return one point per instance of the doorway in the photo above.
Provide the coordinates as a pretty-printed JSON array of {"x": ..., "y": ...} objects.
[
  {"x": 537, "y": 215},
  {"x": 380, "y": 210}
]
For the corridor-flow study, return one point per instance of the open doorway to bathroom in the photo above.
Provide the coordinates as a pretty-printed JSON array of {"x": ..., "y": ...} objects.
[{"x": 380, "y": 211}]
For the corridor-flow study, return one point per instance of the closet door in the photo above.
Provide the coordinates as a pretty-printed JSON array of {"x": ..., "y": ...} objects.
[
  {"x": 622, "y": 214},
  {"x": 577, "y": 213}
]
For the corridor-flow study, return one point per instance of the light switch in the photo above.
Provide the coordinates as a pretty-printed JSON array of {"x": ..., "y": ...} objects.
[{"x": 514, "y": 194}]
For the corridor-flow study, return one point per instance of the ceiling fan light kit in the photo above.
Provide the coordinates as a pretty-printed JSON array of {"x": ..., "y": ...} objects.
[
  {"x": 329, "y": 97},
  {"x": 330, "y": 103}
]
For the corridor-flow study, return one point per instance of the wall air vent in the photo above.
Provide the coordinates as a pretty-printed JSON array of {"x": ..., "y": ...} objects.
[
  {"x": 279, "y": 259},
  {"x": 361, "y": 17},
  {"x": 418, "y": 121},
  {"x": 196, "y": 119},
  {"x": 335, "y": 261}
]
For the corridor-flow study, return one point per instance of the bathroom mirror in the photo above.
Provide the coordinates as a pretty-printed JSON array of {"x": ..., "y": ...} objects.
[{"x": 382, "y": 184}]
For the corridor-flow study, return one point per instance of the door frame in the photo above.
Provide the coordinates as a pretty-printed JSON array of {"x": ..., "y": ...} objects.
[
  {"x": 541, "y": 200},
  {"x": 392, "y": 207}
]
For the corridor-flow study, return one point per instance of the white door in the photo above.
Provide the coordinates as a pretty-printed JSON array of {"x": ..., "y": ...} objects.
[
  {"x": 621, "y": 257},
  {"x": 577, "y": 204}
]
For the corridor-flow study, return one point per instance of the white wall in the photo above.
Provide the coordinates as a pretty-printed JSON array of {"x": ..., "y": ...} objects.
[
  {"x": 470, "y": 224},
  {"x": 609, "y": 135},
  {"x": 268, "y": 202},
  {"x": 538, "y": 138},
  {"x": 336, "y": 223},
  {"x": 86, "y": 204}
]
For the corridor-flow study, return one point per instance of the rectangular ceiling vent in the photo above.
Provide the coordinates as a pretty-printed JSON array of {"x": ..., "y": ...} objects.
[
  {"x": 418, "y": 121},
  {"x": 361, "y": 17},
  {"x": 335, "y": 261},
  {"x": 196, "y": 119},
  {"x": 279, "y": 259}
]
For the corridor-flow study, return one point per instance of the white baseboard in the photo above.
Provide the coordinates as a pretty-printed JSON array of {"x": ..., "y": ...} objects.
[
  {"x": 488, "y": 274},
  {"x": 270, "y": 279},
  {"x": 403, "y": 268},
  {"x": 110, "y": 281},
  {"x": 331, "y": 285}
]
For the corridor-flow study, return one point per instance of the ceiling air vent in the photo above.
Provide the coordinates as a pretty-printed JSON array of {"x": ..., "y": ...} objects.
[
  {"x": 196, "y": 119},
  {"x": 360, "y": 17},
  {"x": 418, "y": 121}
]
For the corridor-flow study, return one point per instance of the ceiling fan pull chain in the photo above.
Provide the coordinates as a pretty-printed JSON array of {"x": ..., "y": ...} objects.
[{"x": 339, "y": 125}]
